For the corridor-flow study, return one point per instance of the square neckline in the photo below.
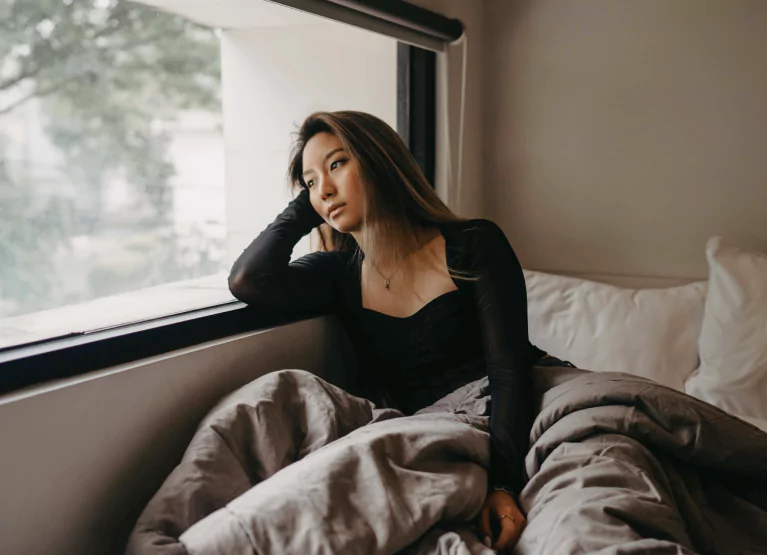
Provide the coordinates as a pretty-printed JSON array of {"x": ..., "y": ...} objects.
[
  {"x": 444, "y": 295},
  {"x": 417, "y": 312}
]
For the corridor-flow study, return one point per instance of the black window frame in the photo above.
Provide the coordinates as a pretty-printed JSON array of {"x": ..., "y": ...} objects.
[
  {"x": 417, "y": 105},
  {"x": 36, "y": 363}
]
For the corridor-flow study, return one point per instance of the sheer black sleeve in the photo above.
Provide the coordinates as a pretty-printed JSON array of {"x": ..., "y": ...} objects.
[
  {"x": 263, "y": 275},
  {"x": 502, "y": 308}
]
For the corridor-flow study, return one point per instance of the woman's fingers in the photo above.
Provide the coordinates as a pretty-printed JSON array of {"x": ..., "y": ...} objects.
[
  {"x": 510, "y": 531},
  {"x": 484, "y": 524},
  {"x": 508, "y": 536}
]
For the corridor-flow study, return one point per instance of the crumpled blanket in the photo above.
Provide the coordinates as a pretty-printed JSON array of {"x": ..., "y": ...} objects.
[
  {"x": 622, "y": 465},
  {"x": 618, "y": 464}
]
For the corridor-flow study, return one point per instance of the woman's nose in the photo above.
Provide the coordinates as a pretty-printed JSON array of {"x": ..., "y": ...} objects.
[{"x": 327, "y": 188}]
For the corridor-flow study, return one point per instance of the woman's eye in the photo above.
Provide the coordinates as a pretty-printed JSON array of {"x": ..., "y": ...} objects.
[
  {"x": 309, "y": 183},
  {"x": 334, "y": 165}
]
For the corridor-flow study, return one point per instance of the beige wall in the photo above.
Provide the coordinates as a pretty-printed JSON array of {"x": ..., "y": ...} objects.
[
  {"x": 82, "y": 456},
  {"x": 469, "y": 202},
  {"x": 620, "y": 134}
]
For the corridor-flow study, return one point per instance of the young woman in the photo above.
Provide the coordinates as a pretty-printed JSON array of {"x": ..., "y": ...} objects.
[{"x": 430, "y": 300}]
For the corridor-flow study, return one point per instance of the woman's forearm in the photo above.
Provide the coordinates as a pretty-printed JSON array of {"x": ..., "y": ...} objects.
[
  {"x": 255, "y": 275},
  {"x": 510, "y": 421}
]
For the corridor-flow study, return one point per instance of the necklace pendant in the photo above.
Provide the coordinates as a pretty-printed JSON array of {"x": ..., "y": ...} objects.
[{"x": 387, "y": 284}]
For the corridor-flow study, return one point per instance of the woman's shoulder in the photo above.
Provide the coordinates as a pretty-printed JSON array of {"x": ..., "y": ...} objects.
[
  {"x": 474, "y": 232},
  {"x": 477, "y": 242}
]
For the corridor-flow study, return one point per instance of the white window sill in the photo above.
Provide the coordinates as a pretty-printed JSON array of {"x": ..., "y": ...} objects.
[{"x": 135, "y": 306}]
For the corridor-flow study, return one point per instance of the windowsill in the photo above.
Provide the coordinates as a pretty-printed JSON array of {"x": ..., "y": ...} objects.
[
  {"x": 135, "y": 306},
  {"x": 120, "y": 329}
]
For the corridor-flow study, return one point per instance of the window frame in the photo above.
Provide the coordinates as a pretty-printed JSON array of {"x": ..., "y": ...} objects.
[
  {"x": 416, "y": 104},
  {"x": 39, "y": 362}
]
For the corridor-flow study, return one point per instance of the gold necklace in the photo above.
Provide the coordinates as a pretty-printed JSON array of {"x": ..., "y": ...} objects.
[{"x": 386, "y": 280}]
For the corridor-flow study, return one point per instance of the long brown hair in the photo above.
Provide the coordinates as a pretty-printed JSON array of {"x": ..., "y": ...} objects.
[{"x": 398, "y": 200}]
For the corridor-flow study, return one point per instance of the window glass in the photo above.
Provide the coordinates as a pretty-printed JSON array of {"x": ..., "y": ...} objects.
[{"x": 121, "y": 197}]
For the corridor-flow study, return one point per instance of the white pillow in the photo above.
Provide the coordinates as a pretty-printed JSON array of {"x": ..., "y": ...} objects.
[
  {"x": 647, "y": 332},
  {"x": 733, "y": 338}
]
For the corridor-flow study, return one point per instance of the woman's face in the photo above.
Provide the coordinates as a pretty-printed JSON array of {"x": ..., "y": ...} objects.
[{"x": 331, "y": 176}]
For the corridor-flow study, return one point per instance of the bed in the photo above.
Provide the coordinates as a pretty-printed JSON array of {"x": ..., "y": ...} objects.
[
  {"x": 707, "y": 338},
  {"x": 619, "y": 453}
]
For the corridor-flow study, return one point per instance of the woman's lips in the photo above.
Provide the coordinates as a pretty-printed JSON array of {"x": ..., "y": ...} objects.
[{"x": 336, "y": 210}]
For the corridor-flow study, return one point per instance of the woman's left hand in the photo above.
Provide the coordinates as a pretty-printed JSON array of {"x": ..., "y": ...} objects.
[{"x": 500, "y": 504}]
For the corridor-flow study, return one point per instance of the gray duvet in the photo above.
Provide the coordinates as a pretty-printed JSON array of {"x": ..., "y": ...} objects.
[{"x": 618, "y": 465}]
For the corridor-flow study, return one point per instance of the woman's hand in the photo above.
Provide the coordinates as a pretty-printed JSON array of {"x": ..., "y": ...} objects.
[
  {"x": 508, "y": 530},
  {"x": 306, "y": 211}
]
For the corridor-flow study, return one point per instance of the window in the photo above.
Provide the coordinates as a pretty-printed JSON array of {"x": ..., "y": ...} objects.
[
  {"x": 111, "y": 166},
  {"x": 144, "y": 144},
  {"x": 121, "y": 197}
]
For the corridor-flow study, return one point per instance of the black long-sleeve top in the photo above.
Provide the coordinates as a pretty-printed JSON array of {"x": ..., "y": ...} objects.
[{"x": 479, "y": 329}]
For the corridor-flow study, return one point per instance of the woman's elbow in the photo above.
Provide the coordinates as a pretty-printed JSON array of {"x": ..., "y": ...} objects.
[
  {"x": 262, "y": 290},
  {"x": 238, "y": 287}
]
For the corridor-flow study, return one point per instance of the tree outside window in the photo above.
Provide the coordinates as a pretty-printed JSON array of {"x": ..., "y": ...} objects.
[{"x": 94, "y": 95}]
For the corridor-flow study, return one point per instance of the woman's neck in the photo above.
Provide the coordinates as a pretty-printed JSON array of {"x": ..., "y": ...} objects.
[{"x": 424, "y": 236}]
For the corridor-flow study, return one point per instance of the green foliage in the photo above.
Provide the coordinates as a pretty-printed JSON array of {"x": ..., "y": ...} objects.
[
  {"x": 29, "y": 232},
  {"x": 105, "y": 71}
]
